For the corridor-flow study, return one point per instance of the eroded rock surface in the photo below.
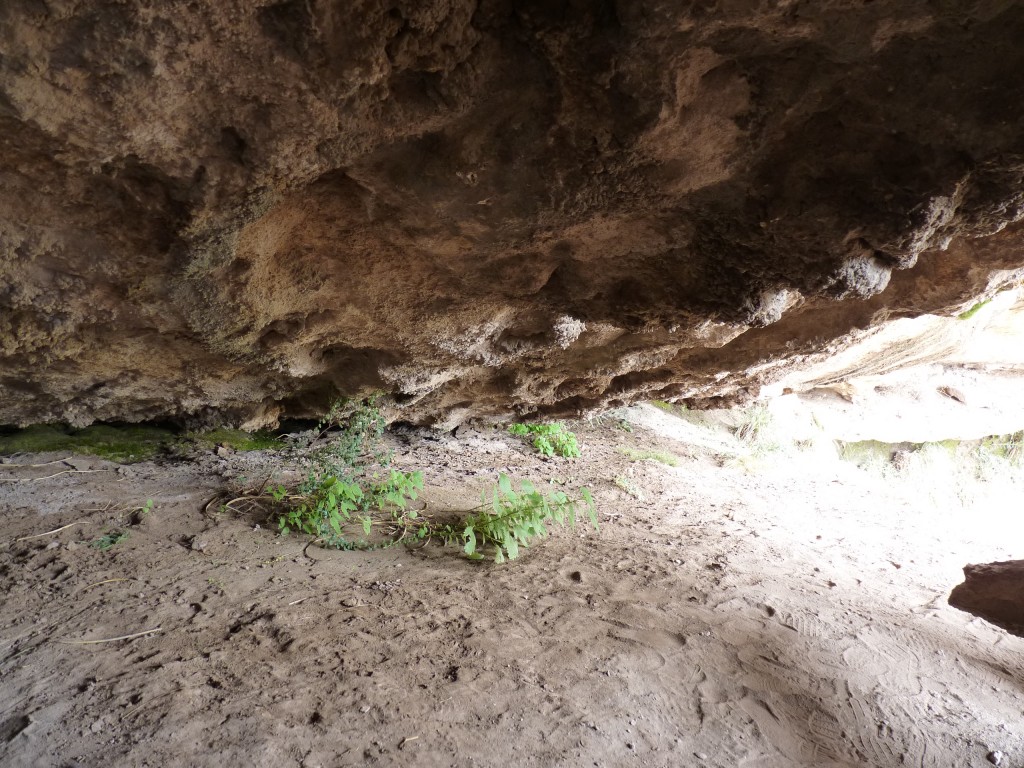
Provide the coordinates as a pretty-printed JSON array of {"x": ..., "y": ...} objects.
[
  {"x": 994, "y": 592},
  {"x": 232, "y": 210}
]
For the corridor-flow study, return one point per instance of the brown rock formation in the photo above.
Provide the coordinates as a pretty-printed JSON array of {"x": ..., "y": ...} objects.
[
  {"x": 232, "y": 210},
  {"x": 995, "y": 592}
]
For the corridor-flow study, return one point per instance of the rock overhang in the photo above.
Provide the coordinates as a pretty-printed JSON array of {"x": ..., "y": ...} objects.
[{"x": 234, "y": 213}]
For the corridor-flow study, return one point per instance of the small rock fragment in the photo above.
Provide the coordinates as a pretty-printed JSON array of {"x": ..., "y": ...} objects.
[{"x": 953, "y": 394}]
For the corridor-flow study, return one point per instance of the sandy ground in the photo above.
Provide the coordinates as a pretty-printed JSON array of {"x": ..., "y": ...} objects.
[{"x": 777, "y": 609}]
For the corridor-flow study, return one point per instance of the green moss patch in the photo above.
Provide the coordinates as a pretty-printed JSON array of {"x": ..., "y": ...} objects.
[
  {"x": 662, "y": 457},
  {"x": 973, "y": 310},
  {"x": 238, "y": 439},
  {"x": 124, "y": 444},
  {"x": 128, "y": 443}
]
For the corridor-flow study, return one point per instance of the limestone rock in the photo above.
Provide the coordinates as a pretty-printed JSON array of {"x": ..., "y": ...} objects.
[
  {"x": 995, "y": 592},
  {"x": 230, "y": 211}
]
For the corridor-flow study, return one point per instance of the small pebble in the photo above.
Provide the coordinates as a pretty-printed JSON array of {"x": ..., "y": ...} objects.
[{"x": 995, "y": 757}]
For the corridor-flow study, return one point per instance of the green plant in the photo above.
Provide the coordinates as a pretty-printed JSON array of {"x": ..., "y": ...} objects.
[
  {"x": 662, "y": 457},
  {"x": 110, "y": 539},
  {"x": 754, "y": 424},
  {"x": 350, "y": 487},
  {"x": 628, "y": 486},
  {"x": 137, "y": 514},
  {"x": 1008, "y": 447},
  {"x": 973, "y": 310},
  {"x": 515, "y": 518},
  {"x": 333, "y": 506},
  {"x": 549, "y": 439},
  {"x": 352, "y": 499}
]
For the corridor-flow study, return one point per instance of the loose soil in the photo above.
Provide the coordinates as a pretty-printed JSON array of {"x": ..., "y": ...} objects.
[{"x": 751, "y": 608}]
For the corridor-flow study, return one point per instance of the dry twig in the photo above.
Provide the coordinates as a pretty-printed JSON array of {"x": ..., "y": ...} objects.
[
  {"x": 50, "y": 533},
  {"x": 47, "y": 477},
  {"x": 113, "y": 639}
]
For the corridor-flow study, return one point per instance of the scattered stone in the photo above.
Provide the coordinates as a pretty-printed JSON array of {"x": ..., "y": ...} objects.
[
  {"x": 953, "y": 394},
  {"x": 995, "y": 757}
]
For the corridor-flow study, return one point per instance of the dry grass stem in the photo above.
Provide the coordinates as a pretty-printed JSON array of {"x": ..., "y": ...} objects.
[
  {"x": 47, "y": 477},
  {"x": 44, "y": 464},
  {"x": 50, "y": 533},
  {"x": 113, "y": 639}
]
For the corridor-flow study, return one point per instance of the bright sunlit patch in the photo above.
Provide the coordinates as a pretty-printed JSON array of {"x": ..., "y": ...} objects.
[{"x": 943, "y": 502}]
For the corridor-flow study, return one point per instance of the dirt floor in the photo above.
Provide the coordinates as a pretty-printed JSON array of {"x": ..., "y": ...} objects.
[{"x": 744, "y": 608}]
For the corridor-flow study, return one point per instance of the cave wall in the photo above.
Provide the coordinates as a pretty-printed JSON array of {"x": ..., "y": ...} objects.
[{"x": 232, "y": 211}]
